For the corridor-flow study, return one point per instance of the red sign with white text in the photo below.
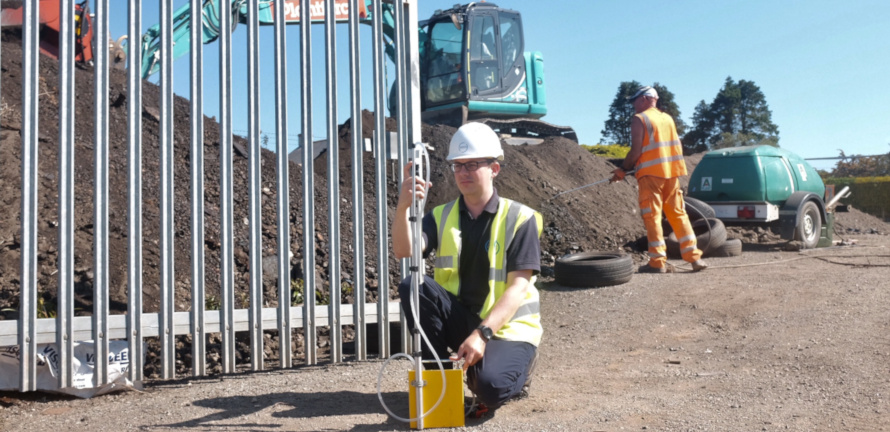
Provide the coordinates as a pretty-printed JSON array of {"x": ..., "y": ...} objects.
[{"x": 317, "y": 10}]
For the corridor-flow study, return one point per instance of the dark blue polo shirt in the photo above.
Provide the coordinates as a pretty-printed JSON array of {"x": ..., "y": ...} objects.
[{"x": 524, "y": 252}]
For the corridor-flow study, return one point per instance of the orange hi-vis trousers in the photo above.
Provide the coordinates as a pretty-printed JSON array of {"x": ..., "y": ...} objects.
[{"x": 661, "y": 194}]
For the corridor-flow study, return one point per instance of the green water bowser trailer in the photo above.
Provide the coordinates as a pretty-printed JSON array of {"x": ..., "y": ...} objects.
[{"x": 765, "y": 185}]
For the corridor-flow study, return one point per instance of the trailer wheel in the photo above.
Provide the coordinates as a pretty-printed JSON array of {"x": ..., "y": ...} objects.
[
  {"x": 594, "y": 269},
  {"x": 730, "y": 248},
  {"x": 809, "y": 225}
]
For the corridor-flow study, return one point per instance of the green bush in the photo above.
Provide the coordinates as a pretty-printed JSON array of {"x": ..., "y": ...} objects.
[{"x": 613, "y": 151}]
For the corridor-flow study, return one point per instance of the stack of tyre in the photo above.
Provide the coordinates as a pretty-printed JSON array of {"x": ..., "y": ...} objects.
[
  {"x": 600, "y": 269},
  {"x": 710, "y": 233}
]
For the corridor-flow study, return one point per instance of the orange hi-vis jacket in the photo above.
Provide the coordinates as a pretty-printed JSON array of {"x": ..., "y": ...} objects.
[{"x": 662, "y": 153}]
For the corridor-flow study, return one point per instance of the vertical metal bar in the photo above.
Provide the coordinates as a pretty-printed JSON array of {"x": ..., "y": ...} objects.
[
  {"x": 100, "y": 197},
  {"x": 398, "y": 17},
  {"x": 358, "y": 196},
  {"x": 30, "y": 110},
  {"x": 411, "y": 92},
  {"x": 165, "y": 319},
  {"x": 196, "y": 48},
  {"x": 227, "y": 257},
  {"x": 381, "y": 180},
  {"x": 65, "y": 315},
  {"x": 308, "y": 185},
  {"x": 399, "y": 43},
  {"x": 134, "y": 195},
  {"x": 412, "y": 85},
  {"x": 330, "y": 33},
  {"x": 255, "y": 220},
  {"x": 284, "y": 296}
]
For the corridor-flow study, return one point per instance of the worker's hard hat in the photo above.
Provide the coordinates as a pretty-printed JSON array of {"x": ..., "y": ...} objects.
[
  {"x": 644, "y": 91},
  {"x": 475, "y": 140}
]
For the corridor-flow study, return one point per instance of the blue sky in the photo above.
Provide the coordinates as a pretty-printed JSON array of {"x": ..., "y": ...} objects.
[{"x": 822, "y": 65}]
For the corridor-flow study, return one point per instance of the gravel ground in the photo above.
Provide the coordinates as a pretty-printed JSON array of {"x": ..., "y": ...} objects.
[{"x": 769, "y": 340}]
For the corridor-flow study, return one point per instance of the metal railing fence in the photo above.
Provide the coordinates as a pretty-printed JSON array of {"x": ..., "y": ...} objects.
[{"x": 135, "y": 326}]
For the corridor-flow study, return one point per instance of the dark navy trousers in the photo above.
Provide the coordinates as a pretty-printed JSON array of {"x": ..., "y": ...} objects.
[{"x": 503, "y": 370}]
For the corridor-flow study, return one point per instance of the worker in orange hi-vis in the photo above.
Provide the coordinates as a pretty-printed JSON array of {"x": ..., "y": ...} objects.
[{"x": 657, "y": 156}]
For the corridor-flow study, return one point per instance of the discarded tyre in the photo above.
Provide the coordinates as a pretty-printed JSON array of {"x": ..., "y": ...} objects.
[
  {"x": 698, "y": 209},
  {"x": 730, "y": 248},
  {"x": 594, "y": 269},
  {"x": 695, "y": 210},
  {"x": 710, "y": 234}
]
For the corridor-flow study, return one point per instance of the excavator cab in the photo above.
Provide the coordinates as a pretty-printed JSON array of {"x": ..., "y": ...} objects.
[{"x": 474, "y": 64}]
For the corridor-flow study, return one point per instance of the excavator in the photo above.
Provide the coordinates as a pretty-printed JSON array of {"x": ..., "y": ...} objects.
[
  {"x": 473, "y": 66},
  {"x": 12, "y": 16}
]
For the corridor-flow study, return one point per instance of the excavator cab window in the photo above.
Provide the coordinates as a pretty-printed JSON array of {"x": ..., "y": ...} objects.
[
  {"x": 484, "y": 68},
  {"x": 511, "y": 40},
  {"x": 512, "y": 58},
  {"x": 444, "y": 71}
]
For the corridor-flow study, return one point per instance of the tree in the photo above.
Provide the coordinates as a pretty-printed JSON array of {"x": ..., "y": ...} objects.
[
  {"x": 617, "y": 126},
  {"x": 702, "y": 127},
  {"x": 862, "y": 166},
  {"x": 738, "y": 116}
]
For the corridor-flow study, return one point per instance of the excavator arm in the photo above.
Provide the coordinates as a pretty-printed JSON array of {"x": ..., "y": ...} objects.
[{"x": 151, "y": 40}]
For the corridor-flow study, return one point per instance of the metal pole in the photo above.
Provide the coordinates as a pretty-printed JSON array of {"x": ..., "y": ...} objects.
[
  {"x": 358, "y": 202},
  {"x": 227, "y": 257},
  {"x": 416, "y": 269},
  {"x": 64, "y": 318},
  {"x": 412, "y": 85},
  {"x": 255, "y": 221},
  {"x": 196, "y": 69},
  {"x": 381, "y": 177},
  {"x": 134, "y": 196},
  {"x": 100, "y": 197},
  {"x": 401, "y": 69},
  {"x": 333, "y": 181},
  {"x": 30, "y": 110},
  {"x": 308, "y": 184},
  {"x": 165, "y": 319},
  {"x": 284, "y": 297}
]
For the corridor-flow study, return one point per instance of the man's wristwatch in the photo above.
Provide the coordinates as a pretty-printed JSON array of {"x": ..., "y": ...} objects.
[{"x": 486, "y": 332}]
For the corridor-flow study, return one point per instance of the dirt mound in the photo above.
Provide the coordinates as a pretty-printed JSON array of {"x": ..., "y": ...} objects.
[{"x": 593, "y": 218}]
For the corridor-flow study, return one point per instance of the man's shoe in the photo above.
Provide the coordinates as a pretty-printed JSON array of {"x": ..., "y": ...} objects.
[
  {"x": 699, "y": 265},
  {"x": 646, "y": 268}
]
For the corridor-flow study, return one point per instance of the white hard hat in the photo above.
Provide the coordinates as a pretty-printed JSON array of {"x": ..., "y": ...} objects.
[
  {"x": 644, "y": 91},
  {"x": 475, "y": 140}
]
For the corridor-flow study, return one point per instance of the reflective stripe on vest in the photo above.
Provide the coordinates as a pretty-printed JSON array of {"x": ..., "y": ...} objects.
[
  {"x": 661, "y": 152},
  {"x": 525, "y": 325}
]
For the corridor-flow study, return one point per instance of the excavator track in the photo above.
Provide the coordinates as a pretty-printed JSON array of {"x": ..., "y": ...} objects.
[{"x": 528, "y": 128}]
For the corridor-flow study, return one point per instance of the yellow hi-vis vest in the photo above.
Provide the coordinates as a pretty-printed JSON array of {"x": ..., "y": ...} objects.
[
  {"x": 662, "y": 153},
  {"x": 525, "y": 325}
]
